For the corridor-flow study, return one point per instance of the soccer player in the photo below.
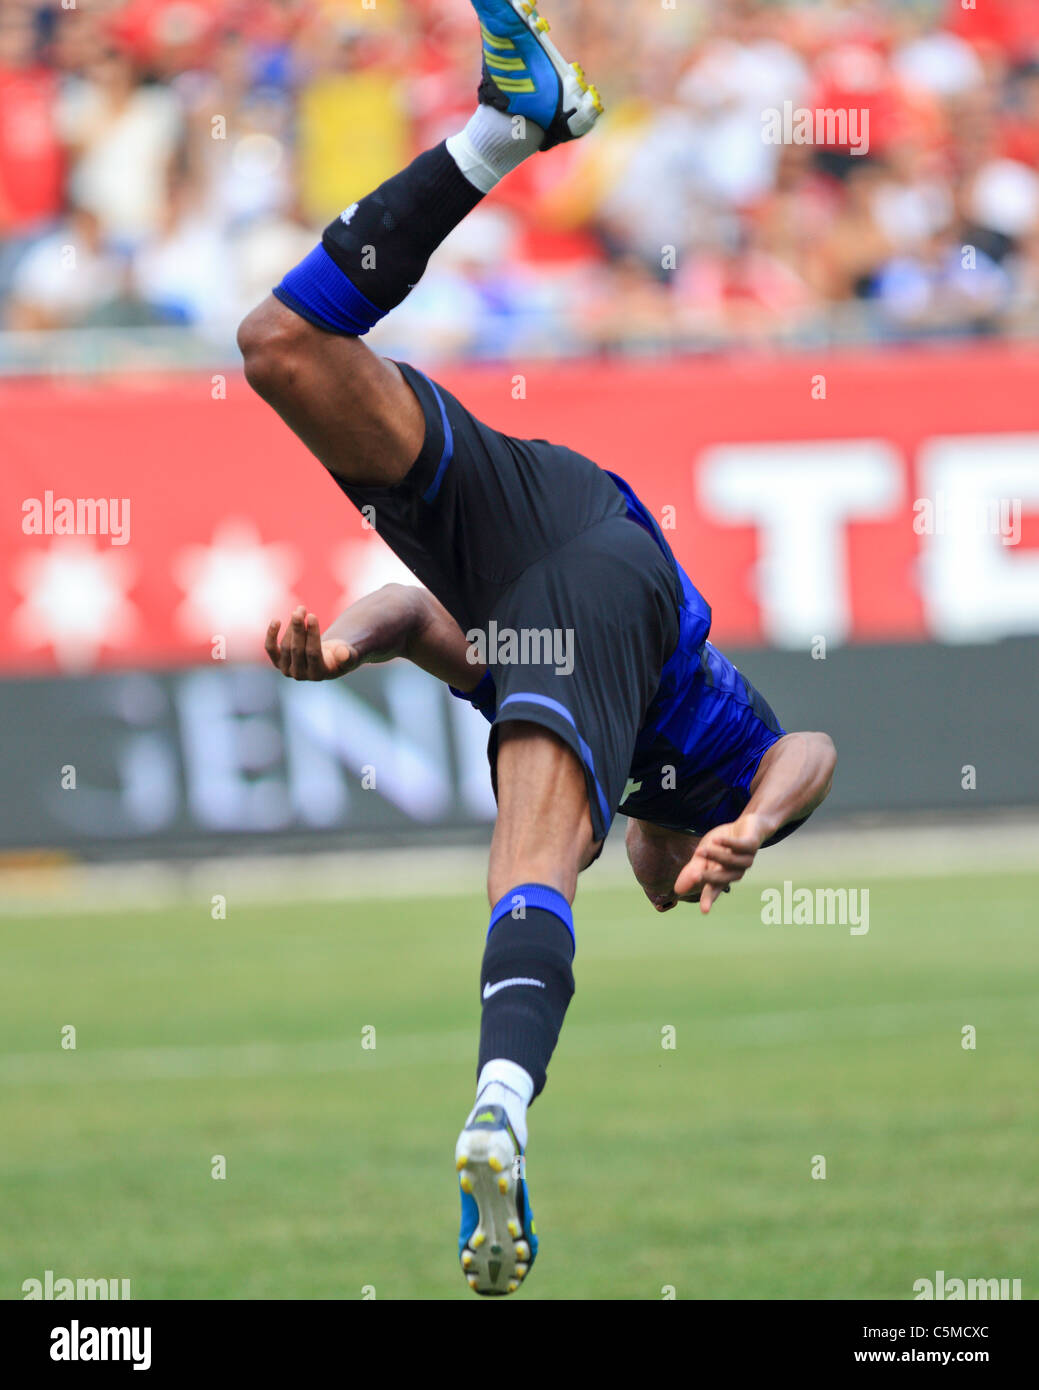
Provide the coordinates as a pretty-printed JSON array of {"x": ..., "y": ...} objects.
[{"x": 621, "y": 702}]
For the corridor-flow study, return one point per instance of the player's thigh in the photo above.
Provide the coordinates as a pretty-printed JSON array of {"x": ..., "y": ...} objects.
[
  {"x": 543, "y": 833},
  {"x": 351, "y": 408}
]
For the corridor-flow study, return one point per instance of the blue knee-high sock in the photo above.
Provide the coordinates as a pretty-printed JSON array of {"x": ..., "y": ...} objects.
[{"x": 527, "y": 979}]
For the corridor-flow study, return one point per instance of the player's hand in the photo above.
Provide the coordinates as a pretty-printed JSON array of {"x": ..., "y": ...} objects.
[
  {"x": 721, "y": 858},
  {"x": 302, "y": 655}
]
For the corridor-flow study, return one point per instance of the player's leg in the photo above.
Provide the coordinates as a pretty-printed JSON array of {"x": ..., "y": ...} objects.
[
  {"x": 563, "y": 739},
  {"x": 544, "y": 828},
  {"x": 351, "y": 408},
  {"x": 301, "y": 348},
  {"x": 542, "y": 840}
]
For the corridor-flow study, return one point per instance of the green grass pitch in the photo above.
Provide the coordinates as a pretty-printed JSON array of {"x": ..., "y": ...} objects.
[{"x": 651, "y": 1167}]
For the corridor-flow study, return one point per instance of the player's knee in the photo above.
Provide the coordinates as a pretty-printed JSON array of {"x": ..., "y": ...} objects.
[
  {"x": 555, "y": 862},
  {"x": 271, "y": 340}
]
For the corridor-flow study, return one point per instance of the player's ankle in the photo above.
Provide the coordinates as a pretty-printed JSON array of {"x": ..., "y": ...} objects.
[
  {"x": 492, "y": 144},
  {"x": 507, "y": 1084}
]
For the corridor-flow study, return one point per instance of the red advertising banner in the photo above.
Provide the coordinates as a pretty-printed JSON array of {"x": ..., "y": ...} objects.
[{"x": 848, "y": 497}]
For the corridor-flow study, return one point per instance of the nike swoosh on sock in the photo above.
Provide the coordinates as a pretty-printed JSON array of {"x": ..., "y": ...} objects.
[{"x": 489, "y": 989}]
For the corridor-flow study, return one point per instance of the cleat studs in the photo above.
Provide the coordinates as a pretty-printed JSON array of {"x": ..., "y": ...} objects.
[
  {"x": 461, "y": 1162},
  {"x": 477, "y": 1240},
  {"x": 467, "y": 1258},
  {"x": 514, "y": 1229},
  {"x": 495, "y": 1164},
  {"x": 465, "y": 1182},
  {"x": 472, "y": 1281},
  {"x": 521, "y": 1270},
  {"x": 503, "y": 1185},
  {"x": 513, "y": 1285},
  {"x": 542, "y": 25},
  {"x": 522, "y": 1250}
]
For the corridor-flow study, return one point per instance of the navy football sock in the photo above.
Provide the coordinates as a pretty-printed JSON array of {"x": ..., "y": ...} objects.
[
  {"x": 527, "y": 979},
  {"x": 374, "y": 253}
]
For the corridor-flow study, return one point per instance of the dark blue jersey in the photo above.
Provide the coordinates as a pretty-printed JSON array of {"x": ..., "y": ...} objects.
[
  {"x": 705, "y": 730},
  {"x": 531, "y": 539}
]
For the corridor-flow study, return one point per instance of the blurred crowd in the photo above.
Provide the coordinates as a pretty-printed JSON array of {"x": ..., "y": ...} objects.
[{"x": 165, "y": 161}]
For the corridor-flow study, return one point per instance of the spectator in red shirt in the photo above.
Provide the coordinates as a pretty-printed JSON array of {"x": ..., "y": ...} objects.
[
  {"x": 31, "y": 162},
  {"x": 1012, "y": 26}
]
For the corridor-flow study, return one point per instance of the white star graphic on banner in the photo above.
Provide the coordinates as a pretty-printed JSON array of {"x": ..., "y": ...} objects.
[
  {"x": 234, "y": 586},
  {"x": 362, "y": 566},
  {"x": 75, "y": 601}
]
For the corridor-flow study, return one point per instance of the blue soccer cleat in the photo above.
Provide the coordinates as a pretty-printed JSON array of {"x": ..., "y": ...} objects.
[
  {"x": 497, "y": 1242},
  {"x": 524, "y": 74}
]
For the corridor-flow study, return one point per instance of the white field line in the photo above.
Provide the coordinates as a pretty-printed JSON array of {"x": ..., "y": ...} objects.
[
  {"x": 735, "y": 1031},
  {"x": 825, "y": 852}
]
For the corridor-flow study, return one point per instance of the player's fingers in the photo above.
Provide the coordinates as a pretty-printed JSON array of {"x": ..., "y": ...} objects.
[
  {"x": 270, "y": 642},
  {"x": 721, "y": 853},
  {"x": 701, "y": 871},
  {"x": 298, "y": 646},
  {"x": 720, "y": 875},
  {"x": 284, "y": 660},
  {"x": 739, "y": 844},
  {"x": 285, "y": 651},
  {"x": 725, "y": 859},
  {"x": 690, "y": 878},
  {"x": 312, "y": 647},
  {"x": 338, "y": 658},
  {"x": 708, "y": 897}
]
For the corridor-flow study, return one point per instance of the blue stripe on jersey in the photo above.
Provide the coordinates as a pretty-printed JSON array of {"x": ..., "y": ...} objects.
[
  {"x": 586, "y": 753},
  {"x": 449, "y": 445}
]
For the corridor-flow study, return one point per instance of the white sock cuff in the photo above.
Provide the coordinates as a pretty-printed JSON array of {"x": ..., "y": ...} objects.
[
  {"x": 492, "y": 144},
  {"x": 509, "y": 1074},
  {"x": 476, "y": 170}
]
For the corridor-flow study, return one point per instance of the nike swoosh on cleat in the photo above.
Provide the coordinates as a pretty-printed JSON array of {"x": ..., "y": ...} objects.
[{"x": 488, "y": 990}]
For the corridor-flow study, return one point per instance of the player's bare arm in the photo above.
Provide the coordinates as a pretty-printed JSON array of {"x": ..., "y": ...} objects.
[
  {"x": 543, "y": 805},
  {"x": 398, "y": 620},
  {"x": 793, "y": 779}
]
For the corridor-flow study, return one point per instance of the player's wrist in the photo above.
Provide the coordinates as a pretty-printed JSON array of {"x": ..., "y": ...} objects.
[
  {"x": 755, "y": 826},
  {"x": 379, "y": 626}
]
